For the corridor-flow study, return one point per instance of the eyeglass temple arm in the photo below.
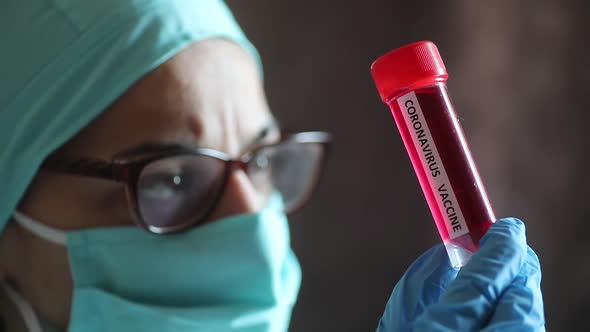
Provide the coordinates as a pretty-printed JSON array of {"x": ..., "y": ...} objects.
[{"x": 84, "y": 167}]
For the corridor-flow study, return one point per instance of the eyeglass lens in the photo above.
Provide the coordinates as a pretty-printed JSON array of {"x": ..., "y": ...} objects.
[{"x": 178, "y": 190}]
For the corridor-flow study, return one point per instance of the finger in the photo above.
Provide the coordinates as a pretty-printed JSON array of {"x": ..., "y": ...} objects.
[
  {"x": 520, "y": 308},
  {"x": 470, "y": 299},
  {"x": 421, "y": 285}
]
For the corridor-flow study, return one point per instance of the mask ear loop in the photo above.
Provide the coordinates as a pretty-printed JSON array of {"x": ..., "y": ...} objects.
[
  {"x": 28, "y": 314},
  {"x": 43, "y": 231}
]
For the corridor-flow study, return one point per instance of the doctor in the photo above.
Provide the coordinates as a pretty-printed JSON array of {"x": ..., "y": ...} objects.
[{"x": 144, "y": 185}]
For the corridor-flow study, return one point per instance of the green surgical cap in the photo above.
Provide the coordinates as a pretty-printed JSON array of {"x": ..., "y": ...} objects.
[{"x": 62, "y": 62}]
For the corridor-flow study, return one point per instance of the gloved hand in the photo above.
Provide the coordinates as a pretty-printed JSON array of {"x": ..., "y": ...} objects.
[{"x": 498, "y": 290}]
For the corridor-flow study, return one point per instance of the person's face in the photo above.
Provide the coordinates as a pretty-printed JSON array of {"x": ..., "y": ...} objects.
[{"x": 209, "y": 95}]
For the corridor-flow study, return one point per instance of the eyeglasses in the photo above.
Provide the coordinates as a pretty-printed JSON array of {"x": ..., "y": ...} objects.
[{"x": 176, "y": 188}]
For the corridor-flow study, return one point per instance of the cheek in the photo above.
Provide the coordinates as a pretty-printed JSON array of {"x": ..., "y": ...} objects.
[
  {"x": 103, "y": 205},
  {"x": 112, "y": 208},
  {"x": 43, "y": 277},
  {"x": 79, "y": 203},
  {"x": 40, "y": 261}
]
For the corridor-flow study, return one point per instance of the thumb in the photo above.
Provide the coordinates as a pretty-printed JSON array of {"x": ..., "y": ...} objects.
[{"x": 471, "y": 298}]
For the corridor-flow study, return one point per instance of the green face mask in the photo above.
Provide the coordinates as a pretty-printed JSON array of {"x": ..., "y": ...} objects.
[{"x": 236, "y": 274}]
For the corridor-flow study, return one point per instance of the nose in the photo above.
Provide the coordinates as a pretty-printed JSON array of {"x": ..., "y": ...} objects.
[{"x": 239, "y": 196}]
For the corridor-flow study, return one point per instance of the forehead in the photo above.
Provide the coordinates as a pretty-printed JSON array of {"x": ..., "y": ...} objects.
[{"x": 208, "y": 94}]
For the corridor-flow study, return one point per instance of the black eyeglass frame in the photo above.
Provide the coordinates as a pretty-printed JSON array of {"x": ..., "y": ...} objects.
[{"x": 127, "y": 169}]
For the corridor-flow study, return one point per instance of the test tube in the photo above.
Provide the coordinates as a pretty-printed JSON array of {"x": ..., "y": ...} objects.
[{"x": 412, "y": 81}]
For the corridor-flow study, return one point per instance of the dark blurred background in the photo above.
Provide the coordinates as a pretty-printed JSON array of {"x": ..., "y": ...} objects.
[{"x": 520, "y": 83}]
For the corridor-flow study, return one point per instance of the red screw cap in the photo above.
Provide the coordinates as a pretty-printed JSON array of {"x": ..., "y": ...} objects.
[{"x": 407, "y": 68}]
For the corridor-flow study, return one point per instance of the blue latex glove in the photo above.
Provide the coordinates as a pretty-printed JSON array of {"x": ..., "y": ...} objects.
[{"x": 498, "y": 290}]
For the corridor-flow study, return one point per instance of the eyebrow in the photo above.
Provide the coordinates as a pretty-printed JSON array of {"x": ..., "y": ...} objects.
[
  {"x": 272, "y": 126},
  {"x": 155, "y": 147}
]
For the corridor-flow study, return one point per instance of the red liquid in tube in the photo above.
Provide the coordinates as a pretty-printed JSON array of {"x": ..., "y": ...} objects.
[{"x": 411, "y": 80}]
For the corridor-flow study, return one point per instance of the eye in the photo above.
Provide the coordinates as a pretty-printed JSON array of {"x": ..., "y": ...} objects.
[
  {"x": 163, "y": 185},
  {"x": 261, "y": 161},
  {"x": 168, "y": 179},
  {"x": 178, "y": 189}
]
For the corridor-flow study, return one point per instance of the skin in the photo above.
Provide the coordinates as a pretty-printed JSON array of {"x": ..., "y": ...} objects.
[{"x": 209, "y": 95}]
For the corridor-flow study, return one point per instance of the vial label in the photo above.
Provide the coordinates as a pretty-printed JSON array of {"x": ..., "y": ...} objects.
[{"x": 432, "y": 164}]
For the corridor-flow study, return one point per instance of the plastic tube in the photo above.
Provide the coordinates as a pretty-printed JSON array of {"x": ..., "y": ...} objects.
[{"x": 412, "y": 81}]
